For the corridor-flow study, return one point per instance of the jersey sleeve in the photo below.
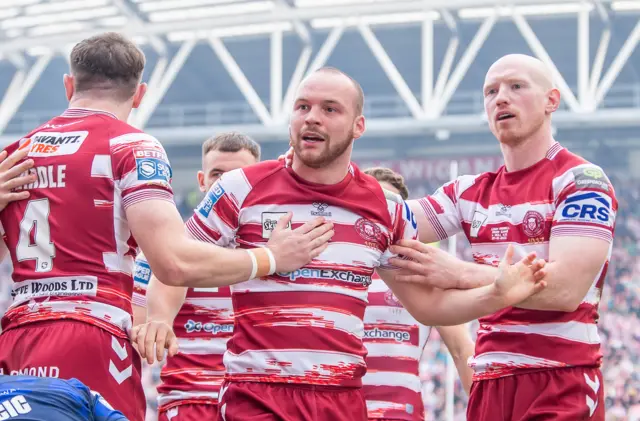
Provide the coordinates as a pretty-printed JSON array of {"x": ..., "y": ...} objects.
[
  {"x": 442, "y": 210},
  {"x": 141, "y": 277},
  {"x": 141, "y": 168},
  {"x": 216, "y": 219},
  {"x": 103, "y": 411},
  {"x": 585, "y": 204},
  {"x": 404, "y": 225}
]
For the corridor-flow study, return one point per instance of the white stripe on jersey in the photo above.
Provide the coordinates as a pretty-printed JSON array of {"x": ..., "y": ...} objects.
[
  {"x": 101, "y": 167},
  {"x": 572, "y": 331},
  {"x": 377, "y": 349},
  {"x": 385, "y": 378},
  {"x": 213, "y": 303},
  {"x": 302, "y": 362},
  {"x": 179, "y": 395},
  {"x": 315, "y": 317},
  {"x": 253, "y": 214},
  {"x": 132, "y": 137},
  {"x": 469, "y": 208},
  {"x": 200, "y": 346},
  {"x": 376, "y": 406},
  {"x": 382, "y": 315},
  {"x": 259, "y": 285},
  {"x": 520, "y": 250},
  {"x": 339, "y": 253},
  {"x": 119, "y": 261},
  {"x": 106, "y": 313},
  {"x": 483, "y": 362}
]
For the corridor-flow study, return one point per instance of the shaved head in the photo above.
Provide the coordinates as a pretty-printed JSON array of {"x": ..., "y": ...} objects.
[
  {"x": 533, "y": 66},
  {"x": 519, "y": 98}
]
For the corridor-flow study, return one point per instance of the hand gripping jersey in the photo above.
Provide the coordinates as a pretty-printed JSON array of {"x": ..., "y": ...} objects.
[
  {"x": 305, "y": 326},
  {"x": 394, "y": 342},
  {"x": 28, "y": 398},
  {"x": 562, "y": 195},
  {"x": 203, "y": 326},
  {"x": 70, "y": 244}
]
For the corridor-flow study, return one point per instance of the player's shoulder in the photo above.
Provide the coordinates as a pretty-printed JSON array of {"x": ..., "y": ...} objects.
[
  {"x": 242, "y": 181},
  {"x": 371, "y": 185},
  {"x": 573, "y": 170},
  {"x": 261, "y": 171}
]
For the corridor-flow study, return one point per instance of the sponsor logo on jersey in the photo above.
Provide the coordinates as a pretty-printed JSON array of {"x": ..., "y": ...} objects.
[
  {"x": 14, "y": 407},
  {"x": 503, "y": 210},
  {"x": 329, "y": 274},
  {"x": 590, "y": 178},
  {"x": 209, "y": 201},
  {"x": 591, "y": 207},
  {"x": 320, "y": 209},
  {"x": 368, "y": 230},
  {"x": 66, "y": 286},
  {"x": 269, "y": 222},
  {"x": 499, "y": 233},
  {"x": 533, "y": 224},
  {"x": 397, "y": 335},
  {"x": 213, "y": 328},
  {"x": 150, "y": 169},
  {"x": 142, "y": 272},
  {"x": 55, "y": 144},
  {"x": 477, "y": 222}
]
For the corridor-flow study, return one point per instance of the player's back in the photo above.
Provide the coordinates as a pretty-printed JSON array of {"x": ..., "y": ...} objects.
[
  {"x": 28, "y": 398},
  {"x": 70, "y": 244}
]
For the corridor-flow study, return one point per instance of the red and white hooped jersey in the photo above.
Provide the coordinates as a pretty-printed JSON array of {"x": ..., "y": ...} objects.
[
  {"x": 203, "y": 326},
  {"x": 562, "y": 195},
  {"x": 394, "y": 342},
  {"x": 70, "y": 244},
  {"x": 306, "y": 326}
]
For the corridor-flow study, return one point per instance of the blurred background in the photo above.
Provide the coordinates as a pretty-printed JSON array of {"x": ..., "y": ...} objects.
[{"x": 220, "y": 65}]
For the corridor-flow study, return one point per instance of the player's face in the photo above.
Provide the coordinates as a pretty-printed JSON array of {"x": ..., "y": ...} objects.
[
  {"x": 515, "y": 104},
  {"x": 324, "y": 123},
  {"x": 216, "y": 163}
]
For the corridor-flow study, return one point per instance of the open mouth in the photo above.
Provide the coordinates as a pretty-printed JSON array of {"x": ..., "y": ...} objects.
[
  {"x": 312, "y": 137},
  {"x": 504, "y": 116}
]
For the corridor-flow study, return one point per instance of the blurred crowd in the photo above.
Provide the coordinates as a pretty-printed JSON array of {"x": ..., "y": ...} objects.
[{"x": 619, "y": 324}]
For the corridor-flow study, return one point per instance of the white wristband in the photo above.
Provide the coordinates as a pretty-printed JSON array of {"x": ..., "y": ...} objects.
[
  {"x": 272, "y": 261},
  {"x": 254, "y": 262}
]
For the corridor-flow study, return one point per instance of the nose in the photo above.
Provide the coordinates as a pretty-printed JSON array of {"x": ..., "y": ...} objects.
[
  {"x": 312, "y": 117},
  {"x": 502, "y": 97}
]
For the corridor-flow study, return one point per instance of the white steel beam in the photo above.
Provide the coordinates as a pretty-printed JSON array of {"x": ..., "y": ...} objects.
[
  {"x": 327, "y": 48},
  {"x": 427, "y": 62},
  {"x": 160, "y": 81},
  {"x": 276, "y": 72},
  {"x": 583, "y": 64},
  {"x": 618, "y": 63},
  {"x": 598, "y": 64},
  {"x": 391, "y": 71},
  {"x": 241, "y": 81},
  {"x": 277, "y": 15},
  {"x": 463, "y": 65},
  {"x": 20, "y": 86},
  {"x": 539, "y": 50},
  {"x": 445, "y": 68},
  {"x": 158, "y": 45}
]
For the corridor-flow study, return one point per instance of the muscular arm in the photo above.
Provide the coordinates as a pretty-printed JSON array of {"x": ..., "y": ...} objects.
[
  {"x": 461, "y": 347},
  {"x": 164, "y": 302},
  {"x": 139, "y": 315},
  {"x": 427, "y": 233},
  {"x": 175, "y": 258}
]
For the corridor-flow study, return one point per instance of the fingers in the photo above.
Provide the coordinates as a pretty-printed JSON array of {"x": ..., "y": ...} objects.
[
  {"x": 409, "y": 265},
  {"x": 411, "y": 253},
  {"x": 413, "y": 244},
  {"x": 320, "y": 231},
  {"x": 142, "y": 334},
  {"x": 20, "y": 181},
  {"x": 149, "y": 341},
  {"x": 415, "y": 279},
  {"x": 13, "y": 197},
  {"x": 19, "y": 169},
  {"x": 311, "y": 225},
  {"x": 318, "y": 251},
  {"x": 284, "y": 221},
  {"x": 508, "y": 255},
  {"x": 322, "y": 239},
  {"x": 161, "y": 341},
  {"x": 21, "y": 153},
  {"x": 172, "y": 345},
  {"x": 539, "y": 287},
  {"x": 539, "y": 275}
]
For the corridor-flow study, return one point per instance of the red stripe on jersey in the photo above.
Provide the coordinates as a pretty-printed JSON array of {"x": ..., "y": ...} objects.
[
  {"x": 585, "y": 313},
  {"x": 428, "y": 205},
  {"x": 202, "y": 232},
  {"x": 248, "y": 302},
  {"x": 392, "y": 365}
]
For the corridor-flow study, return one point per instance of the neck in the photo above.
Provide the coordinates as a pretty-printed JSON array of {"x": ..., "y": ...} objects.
[
  {"x": 331, "y": 174},
  {"x": 121, "y": 111},
  {"x": 529, "y": 151}
]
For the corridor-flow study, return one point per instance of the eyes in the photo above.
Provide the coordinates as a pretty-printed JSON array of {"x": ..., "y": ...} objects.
[
  {"x": 492, "y": 91},
  {"x": 327, "y": 108}
]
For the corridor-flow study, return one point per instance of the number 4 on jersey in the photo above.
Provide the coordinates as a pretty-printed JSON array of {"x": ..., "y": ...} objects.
[{"x": 35, "y": 236}]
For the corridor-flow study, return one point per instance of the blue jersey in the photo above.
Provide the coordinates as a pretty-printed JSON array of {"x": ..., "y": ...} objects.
[{"x": 29, "y": 398}]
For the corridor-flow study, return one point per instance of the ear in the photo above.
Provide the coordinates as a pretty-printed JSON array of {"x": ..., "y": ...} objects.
[
  {"x": 69, "y": 88},
  {"x": 200, "y": 177},
  {"x": 358, "y": 127},
  {"x": 553, "y": 101},
  {"x": 137, "y": 97}
]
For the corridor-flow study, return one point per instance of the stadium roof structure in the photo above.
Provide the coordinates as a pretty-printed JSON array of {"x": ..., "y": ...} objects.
[{"x": 32, "y": 32}]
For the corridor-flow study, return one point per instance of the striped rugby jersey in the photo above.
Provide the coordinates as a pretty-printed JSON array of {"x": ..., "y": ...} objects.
[
  {"x": 394, "y": 342},
  {"x": 305, "y": 326},
  {"x": 561, "y": 195},
  {"x": 203, "y": 326}
]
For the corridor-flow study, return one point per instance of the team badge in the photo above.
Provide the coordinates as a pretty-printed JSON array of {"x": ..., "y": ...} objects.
[
  {"x": 368, "y": 230},
  {"x": 533, "y": 224}
]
